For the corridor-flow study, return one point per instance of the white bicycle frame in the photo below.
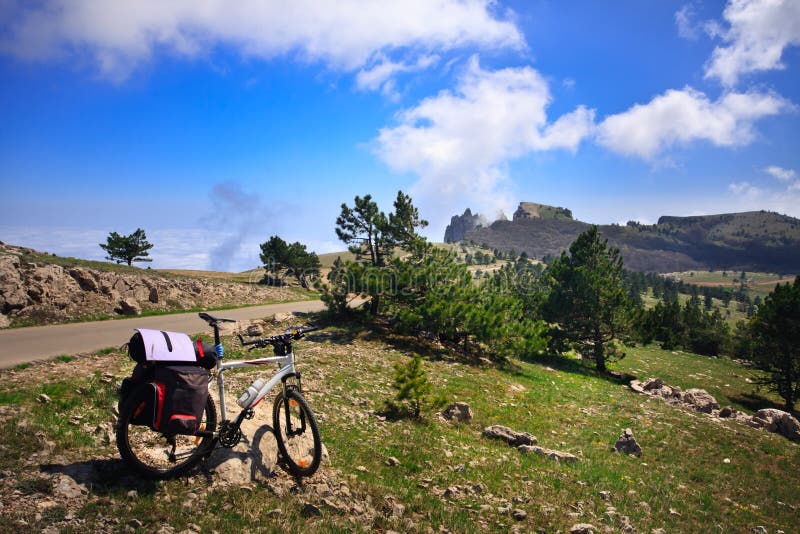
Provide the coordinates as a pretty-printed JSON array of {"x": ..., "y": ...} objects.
[{"x": 286, "y": 364}]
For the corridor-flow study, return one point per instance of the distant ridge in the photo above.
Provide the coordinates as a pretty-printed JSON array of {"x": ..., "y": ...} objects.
[{"x": 750, "y": 241}]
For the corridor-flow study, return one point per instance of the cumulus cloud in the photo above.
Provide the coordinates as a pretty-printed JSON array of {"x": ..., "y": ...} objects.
[
  {"x": 458, "y": 142},
  {"x": 780, "y": 173},
  {"x": 756, "y": 35},
  {"x": 679, "y": 117},
  {"x": 347, "y": 34}
]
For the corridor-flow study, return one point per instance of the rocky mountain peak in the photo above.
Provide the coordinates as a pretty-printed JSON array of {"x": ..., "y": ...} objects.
[{"x": 461, "y": 224}]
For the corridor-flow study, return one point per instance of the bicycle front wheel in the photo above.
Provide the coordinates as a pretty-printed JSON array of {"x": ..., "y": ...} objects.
[
  {"x": 154, "y": 454},
  {"x": 297, "y": 433}
]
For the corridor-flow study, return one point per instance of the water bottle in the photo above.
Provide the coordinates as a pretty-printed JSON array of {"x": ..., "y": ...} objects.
[{"x": 252, "y": 392}]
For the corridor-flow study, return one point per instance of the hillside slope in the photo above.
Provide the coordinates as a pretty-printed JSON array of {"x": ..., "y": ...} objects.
[
  {"x": 750, "y": 241},
  {"x": 37, "y": 289},
  {"x": 385, "y": 475}
]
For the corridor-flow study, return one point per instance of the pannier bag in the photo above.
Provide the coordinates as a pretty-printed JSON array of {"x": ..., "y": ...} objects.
[
  {"x": 181, "y": 395},
  {"x": 159, "y": 346},
  {"x": 175, "y": 370},
  {"x": 173, "y": 401},
  {"x": 145, "y": 408}
]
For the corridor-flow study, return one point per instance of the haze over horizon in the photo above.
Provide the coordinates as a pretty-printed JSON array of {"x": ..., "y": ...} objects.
[{"x": 214, "y": 125}]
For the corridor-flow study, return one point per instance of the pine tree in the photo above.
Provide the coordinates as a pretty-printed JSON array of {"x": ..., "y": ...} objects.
[
  {"x": 127, "y": 248},
  {"x": 414, "y": 391},
  {"x": 775, "y": 331},
  {"x": 587, "y": 298}
]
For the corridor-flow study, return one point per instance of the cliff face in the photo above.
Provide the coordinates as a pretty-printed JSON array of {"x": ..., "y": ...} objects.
[
  {"x": 461, "y": 224},
  {"x": 44, "y": 293},
  {"x": 532, "y": 210}
]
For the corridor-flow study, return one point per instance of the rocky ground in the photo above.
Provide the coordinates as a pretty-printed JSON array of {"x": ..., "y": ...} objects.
[
  {"x": 460, "y": 471},
  {"x": 47, "y": 293},
  {"x": 768, "y": 419}
]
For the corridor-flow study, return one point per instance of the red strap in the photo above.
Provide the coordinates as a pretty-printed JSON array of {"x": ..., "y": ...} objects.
[
  {"x": 160, "y": 392},
  {"x": 200, "y": 348}
]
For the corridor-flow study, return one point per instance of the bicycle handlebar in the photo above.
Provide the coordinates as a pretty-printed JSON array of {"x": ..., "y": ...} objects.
[{"x": 294, "y": 333}]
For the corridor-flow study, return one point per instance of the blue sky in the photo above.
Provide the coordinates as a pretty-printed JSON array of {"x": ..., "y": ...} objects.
[{"x": 214, "y": 125}]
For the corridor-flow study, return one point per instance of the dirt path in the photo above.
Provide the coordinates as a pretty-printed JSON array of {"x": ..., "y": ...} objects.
[{"x": 21, "y": 345}]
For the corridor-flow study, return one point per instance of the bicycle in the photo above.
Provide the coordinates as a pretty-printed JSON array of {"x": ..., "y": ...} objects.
[{"x": 157, "y": 455}]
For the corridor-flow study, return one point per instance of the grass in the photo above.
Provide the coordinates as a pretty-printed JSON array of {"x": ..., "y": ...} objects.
[
  {"x": 758, "y": 284},
  {"x": 681, "y": 483},
  {"x": 728, "y": 381}
]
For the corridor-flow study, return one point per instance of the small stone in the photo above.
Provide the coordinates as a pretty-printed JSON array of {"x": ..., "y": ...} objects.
[
  {"x": 583, "y": 528},
  {"x": 726, "y": 461},
  {"x": 275, "y": 512},
  {"x": 627, "y": 444},
  {"x": 605, "y": 495},
  {"x": 391, "y": 461},
  {"x": 459, "y": 412},
  {"x": 135, "y": 523},
  {"x": 133, "y": 494},
  {"x": 519, "y": 515},
  {"x": 311, "y": 510},
  {"x": 43, "y": 398}
]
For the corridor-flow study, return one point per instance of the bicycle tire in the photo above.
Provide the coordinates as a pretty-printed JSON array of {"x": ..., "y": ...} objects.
[
  {"x": 148, "y": 451},
  {"x": 299, "y": 443}
]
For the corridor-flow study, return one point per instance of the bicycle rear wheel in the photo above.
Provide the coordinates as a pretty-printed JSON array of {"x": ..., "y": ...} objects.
[
  {"x": 154, "y": 454},
  {"x": 297, "y": 433}
]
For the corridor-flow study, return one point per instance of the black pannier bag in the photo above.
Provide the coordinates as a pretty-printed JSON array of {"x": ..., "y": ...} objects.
[
  {"x": 143, "y": 413},
  {"x": 175, "y": 368},
  {"x": 181, "y": 395}
]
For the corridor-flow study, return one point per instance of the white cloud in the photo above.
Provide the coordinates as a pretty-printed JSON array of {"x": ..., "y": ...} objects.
[
  {"x": 685, "y": 21},
  {"x": 744, "y": 189},
  {"x": 379, "y": 75},
  {"x": 120, "y": 35},
  {"x": 458, "y": 142},
  {"x": 780, "y": 173},
  {"x": 747, "y": 197},
  {"x": 757, "y": 34},
  {"x": 684, "y": 116}
]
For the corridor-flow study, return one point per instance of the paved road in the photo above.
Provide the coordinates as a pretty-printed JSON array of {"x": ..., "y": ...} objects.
[{"x": 19, "y": 345}]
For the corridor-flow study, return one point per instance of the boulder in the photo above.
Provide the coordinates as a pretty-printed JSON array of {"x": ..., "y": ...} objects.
[
  {"x": 254, "y": 330},
  {"x": 726, "y": 412},
  {"x": 626, "y": 444},
  {"x": 653, "y": 383},
  {"x": 154, "y": 297},
  {"x": 636, "y": 386},
  {"x": 458, "y": 411},
  {"x": 515, "y": 439},
  {"x": 281, "y": 317},
  {"x": 84, "y": 279},
  {"x": 4, "y": 321},
  {"x": 700, "y": 400},
  {"x": 558, "y": 456},
  {"x": 129, "y": 307},
  {"x": 778, "y": 421}
]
